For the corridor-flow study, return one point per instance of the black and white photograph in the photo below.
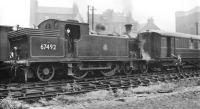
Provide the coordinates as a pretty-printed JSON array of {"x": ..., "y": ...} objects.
[{"x": 99, "y": 54}]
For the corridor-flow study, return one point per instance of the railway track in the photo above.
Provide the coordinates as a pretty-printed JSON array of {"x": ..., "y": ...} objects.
[{"x": 35, "y": 90}]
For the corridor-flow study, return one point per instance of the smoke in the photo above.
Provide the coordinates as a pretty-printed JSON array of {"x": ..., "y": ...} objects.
[
  {"x": 145, "y": 55},
  {"x": 127, "y": 8}
]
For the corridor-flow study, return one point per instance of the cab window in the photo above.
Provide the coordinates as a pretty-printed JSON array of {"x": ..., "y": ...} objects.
[{"x": 73, "y": 31}]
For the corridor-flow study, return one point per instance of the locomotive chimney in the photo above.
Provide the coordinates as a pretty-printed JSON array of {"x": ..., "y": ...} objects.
[{"x": 128, "y": 28}]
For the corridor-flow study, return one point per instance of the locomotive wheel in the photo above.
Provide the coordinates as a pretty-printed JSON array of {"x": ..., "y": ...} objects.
[
  {"x": 110, "y": 72},
  {"x": 127, "y": 69},
  {"x": 77, "y": 73},
  {"x": 45, "y": 72},
  {"x": 144, "y": 67}
]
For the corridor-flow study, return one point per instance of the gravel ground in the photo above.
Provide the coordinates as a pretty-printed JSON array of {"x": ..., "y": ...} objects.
[
  {"x": 176, "y": 100},
  {"x": 180, "y": 95}
]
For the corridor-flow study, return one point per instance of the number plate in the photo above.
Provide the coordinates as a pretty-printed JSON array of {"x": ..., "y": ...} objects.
[{"x": 47, "y": 47}]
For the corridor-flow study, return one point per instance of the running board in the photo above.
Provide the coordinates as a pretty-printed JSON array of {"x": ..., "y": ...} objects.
[{"x": 95, "y": 68}]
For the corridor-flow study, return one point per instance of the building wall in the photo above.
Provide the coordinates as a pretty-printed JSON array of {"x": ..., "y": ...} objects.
[
  {"x": 188, "y": 22},
  {"x": 114, "y": 22},
  {"x": 40, "y": 13},
  {"x": 44, "y": 16},
  {"x": 33, "y": 10}
]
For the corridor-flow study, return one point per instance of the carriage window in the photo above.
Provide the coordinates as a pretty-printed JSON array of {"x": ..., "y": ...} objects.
[
  {"x": 186, "y": 45},
  {"x": 163, "y": 42},
  {"x": 191, "y": 44},
  {"x": 195, "y": 44},
  {"x": 182, "y": 43},
  {"x": 177, "y": 43},
  {"x": 73, "y": 31}
]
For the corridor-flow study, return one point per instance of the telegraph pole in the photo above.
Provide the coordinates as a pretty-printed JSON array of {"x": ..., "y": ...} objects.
[
  {"x": 92, "y": 17},
  {"x": 88, "y": 14}
]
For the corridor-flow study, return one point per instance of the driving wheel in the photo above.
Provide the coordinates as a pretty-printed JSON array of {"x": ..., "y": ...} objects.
[
  {"x": 110, "y": 72},
  {"x": 77, "y": 73},
  {"x": 127, "y": 69},
  {"x": 45, "y": 72},
  {"x": 144, "y": 67}
]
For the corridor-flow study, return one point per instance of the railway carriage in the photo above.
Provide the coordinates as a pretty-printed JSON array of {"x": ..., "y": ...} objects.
[{"x": 165, "y": 47}]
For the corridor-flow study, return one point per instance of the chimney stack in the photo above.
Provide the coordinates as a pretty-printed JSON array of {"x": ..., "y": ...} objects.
[{"x": 128, "y": 28}]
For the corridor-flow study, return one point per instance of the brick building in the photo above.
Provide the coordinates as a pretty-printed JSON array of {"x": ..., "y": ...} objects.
[
  {"x": 188, "y": 21},
  {"x": 150, "y": 25},
  {"x": 41, "y": 13},
  {"x": 114, "y": 22}
]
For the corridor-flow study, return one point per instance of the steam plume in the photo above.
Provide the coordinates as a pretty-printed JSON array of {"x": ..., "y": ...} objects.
[
  {"x": 145, "y": 55},
  {"x": 127, "y": 5}
]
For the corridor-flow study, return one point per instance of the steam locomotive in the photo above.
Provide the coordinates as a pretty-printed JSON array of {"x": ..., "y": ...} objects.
[{"x": 68, "y": 48}]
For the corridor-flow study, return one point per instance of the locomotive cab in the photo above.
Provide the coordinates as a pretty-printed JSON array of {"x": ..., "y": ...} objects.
[
  {"x": 72, "y": 34},
  {"x": 71, "y": 31}
]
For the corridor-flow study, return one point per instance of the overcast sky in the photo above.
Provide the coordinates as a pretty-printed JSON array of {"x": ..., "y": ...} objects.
[{"x": 13, "y": 12}]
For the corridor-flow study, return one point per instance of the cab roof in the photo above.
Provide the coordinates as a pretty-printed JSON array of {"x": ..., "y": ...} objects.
[
  {"x": 67, "y": 21},
  {"x": 174, "y": 34}
]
